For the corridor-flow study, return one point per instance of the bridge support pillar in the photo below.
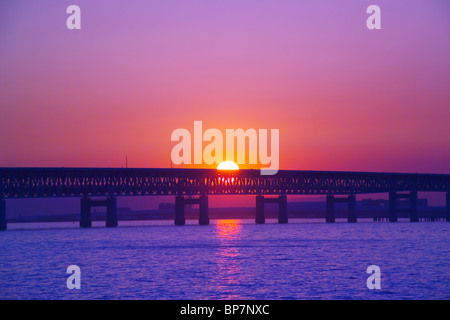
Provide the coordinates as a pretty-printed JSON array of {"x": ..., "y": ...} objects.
[
  {"x": 350, "y": 200},
  {"x": 260, "y": 219},
  {"x": 392, "y": 207},
  {"x": 330, "y": 209},
  {"x": 413, "y": 217},
  {"x": 85, "y": 217},
  {"x": 179, "y": 211},
  {"x": 352, "y": 208},
  {"x": 282, "y": 209},
  {"x": 111, "y": 212},
  {"x": 412, "y": 196},
  {"x": 3, "y": 225},
  {"x": 447, "y": 214},
  {"x": 203, "y": 207}
]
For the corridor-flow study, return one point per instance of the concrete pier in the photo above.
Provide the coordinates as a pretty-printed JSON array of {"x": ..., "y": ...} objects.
[
  {"x": 111, "y": 212},
  {"x": 447, "y": 213},
  {"x": 413, "y": 217},
  {"x": 350, "y": 200},
  {"x": 282, "y": 209},
  {"x": 352, "y": 208},
  {"x": 260, "y": 219},
  {"x": 392, "y": 207},
  {"x": 181, "y": 202},
  {"x": 413, "y": 212},
  {"x": 203, "y": 208},
  {"x": 179, "y": 211},
  {"x": 85, "y": 216},
  {"x": 330, "y": 209},
  {"x": 3, "y": 224}
]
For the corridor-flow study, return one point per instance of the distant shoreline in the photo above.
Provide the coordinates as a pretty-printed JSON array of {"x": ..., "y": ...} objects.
[{"x": 231, "y": 213}]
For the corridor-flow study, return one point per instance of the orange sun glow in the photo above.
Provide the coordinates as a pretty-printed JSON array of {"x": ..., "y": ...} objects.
[{"x": 227, "y": 165}]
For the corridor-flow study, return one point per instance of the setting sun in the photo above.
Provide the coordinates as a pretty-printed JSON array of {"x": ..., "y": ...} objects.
[{"x": 227, "y": 165}]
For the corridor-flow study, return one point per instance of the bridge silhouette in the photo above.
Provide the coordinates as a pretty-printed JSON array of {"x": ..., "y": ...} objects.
[{"x": 195, "y": 185}]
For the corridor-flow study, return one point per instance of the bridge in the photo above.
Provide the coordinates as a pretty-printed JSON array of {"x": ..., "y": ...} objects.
[{"x": 195, "y": 185}]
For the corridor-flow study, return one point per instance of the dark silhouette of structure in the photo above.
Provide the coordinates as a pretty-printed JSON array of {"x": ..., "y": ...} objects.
[{"x": 187, "y": 184}]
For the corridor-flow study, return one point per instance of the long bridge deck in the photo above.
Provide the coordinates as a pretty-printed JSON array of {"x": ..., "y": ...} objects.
[
  {"x": 16, "y": 183},
  {"x": 81, "y": 182}
]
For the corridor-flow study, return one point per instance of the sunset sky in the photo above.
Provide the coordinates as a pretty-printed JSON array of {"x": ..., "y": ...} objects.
[{"x": 343, "y": 97}]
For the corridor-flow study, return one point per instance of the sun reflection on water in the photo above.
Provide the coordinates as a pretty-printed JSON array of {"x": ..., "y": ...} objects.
[
  {"x": 228, "y": 258},
  {"x": 228, "y": 229}
]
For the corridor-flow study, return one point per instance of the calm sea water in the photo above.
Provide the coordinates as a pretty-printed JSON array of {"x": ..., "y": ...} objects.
[{"x": 229, "y": 259}]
